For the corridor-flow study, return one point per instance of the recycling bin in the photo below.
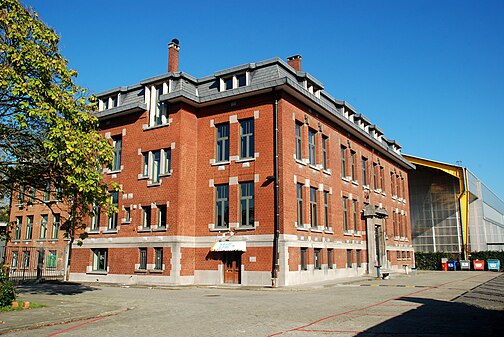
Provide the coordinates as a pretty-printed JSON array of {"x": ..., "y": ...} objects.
[
  {"x": 479, "y": 264},
  {"x": 465, "y": 265},
  {"x": 452, "y": 264},
  {"x": 444, "y": 266},
  {"x": 493, "y": 264}
]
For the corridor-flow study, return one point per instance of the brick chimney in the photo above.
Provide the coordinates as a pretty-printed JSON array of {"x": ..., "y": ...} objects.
[
  {"x": 173, "y": 54},
  {"x": 295, "y": 62}
]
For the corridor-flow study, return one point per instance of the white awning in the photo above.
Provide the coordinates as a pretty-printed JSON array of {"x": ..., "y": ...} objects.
[{"x": 229, "y": 246}]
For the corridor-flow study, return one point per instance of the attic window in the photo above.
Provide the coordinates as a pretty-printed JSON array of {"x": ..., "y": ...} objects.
[
  {"x": 233, "y": 82},
  {"x": 109, "y": 102}
]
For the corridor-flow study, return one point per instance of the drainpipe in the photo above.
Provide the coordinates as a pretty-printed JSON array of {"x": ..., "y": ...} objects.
[{"x": 276, "y": 232}]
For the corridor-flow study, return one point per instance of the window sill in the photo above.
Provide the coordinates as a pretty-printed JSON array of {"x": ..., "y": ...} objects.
[
  {"x": 302, "y": 229},
  {"x": 346, "y": 179},
  {"x": 41, "y": 240},
  {"x": 300, "y": 162},
  {"x": 245, "y": 160},
  {"x": 245, "y": 228},
  {"x": 155, "y": 271},
  {"x": 141, "y": 177},
  {"x": 314, "y": 167},
  {"x": 110, "y": 231},
  {"x": 315, "y": 230},
  {"x": 153, "y": 184},
  {"x": 220, "y": 163},
  {"x": 327, "y": 171},
  {"x": 153, "y": 127},
  {"x": 114, "y": 171},
  {"x": 355, "y": 182},
  {"x": 160, "y": 229},
  {"x": 219, "y": 229},
  {"x": 348, "y": 233},
  {"x": 141, "y": 271},
  {"x": 97, "y": 272},
  {"x": 26, "y": 241},
  {"x": 53, "y": 240},
  {"x": 94, "y": 231},
  {"x": 126, "y": 222},
  {"x": 144, "y": 229}
]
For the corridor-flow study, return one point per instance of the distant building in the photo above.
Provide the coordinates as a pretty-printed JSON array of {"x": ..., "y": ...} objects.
[
  {"x": 250, "y": 175},
  {"x": 452, "y": 210}
]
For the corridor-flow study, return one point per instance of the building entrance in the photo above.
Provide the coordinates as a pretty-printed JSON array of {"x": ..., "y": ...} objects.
[{"x": 232, "y": 267}]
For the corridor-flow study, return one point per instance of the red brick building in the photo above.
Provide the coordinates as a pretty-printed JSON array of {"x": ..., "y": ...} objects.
[{"x": 251, "y": 174}]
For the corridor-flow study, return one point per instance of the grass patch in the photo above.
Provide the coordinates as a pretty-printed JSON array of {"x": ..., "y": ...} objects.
[{"x": 20, "y": 307}]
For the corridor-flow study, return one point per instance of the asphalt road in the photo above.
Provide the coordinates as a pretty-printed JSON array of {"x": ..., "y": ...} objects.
[{"x": 427, "y": 304}]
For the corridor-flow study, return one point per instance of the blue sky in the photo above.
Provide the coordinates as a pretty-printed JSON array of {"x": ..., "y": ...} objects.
[{"x": 429, "y": 73}]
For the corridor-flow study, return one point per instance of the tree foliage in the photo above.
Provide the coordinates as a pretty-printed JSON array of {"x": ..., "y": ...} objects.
[{"x": 48, "y": 132}]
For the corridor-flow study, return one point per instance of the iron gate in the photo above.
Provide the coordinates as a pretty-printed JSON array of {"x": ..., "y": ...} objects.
[{"x": 35, "y": 263}]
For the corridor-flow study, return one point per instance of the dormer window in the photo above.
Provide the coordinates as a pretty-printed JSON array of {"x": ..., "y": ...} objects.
[
  {"x": 233, "y": 82},
  {"x": 109, "y": 102},
  {"x": 158, "y": 110}
]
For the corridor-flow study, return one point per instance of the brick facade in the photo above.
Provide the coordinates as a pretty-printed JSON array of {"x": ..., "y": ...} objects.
[{"x": 189, "y": 117}]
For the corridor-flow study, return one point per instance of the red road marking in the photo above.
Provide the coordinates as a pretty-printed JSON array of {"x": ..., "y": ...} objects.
[
  {"x": 74, "y": 327},
  {"x": 302, "y": 328}
]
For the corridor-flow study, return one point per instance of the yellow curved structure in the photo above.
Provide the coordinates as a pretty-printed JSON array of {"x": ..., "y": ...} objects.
[{"x": 463, "y": 196}]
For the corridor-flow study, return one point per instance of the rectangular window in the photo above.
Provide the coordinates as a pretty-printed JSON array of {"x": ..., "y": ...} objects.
[
  {"x": 21, "y": 195},
  {"x": 318, "y": 258},
  {"x": 113, "y": 101},
  {"x": 247, "y": 138},
  {"x": 382, "y": 179},
  {"x": 403, "y": 189},
  {"x": 329, "y": 258},
  {"x": 156, "y": 166},
  {"x": 326, "y": 209},
  {"x": 145, "y": 164},
  {"x": 52, "y": 259},
  {"x": 29, "y": 227},
  {"x": 161, "y": 220},
  {"x": 222, "y": 142},
  {"x": 112, "y": 220},
  {"x": 354, "y": 215},
  {"x": 349, "y": 258},
  {"x": 358, "y": 255},
  {"x": 400, "y": 224},
  {"x": 59, "y": 192},
  {"x": 242, "y": 80},
  {"x": 15, "y": 259},
  {"x": 160, "y": 115},
  {"x": 345, "y": 213},
  {"x": 394, "y": 224},
  {"x": 95, "y": 218},
  {"x": 392, "y": 184},
  {"x": 100, "y": 259},
  {"x": 304, "y": 259},
  {"x": 247, "y": 204},
  {"x": 364, "y": 172},
  {"x": 55, "y": 226},
  {"x": 166, "y": 165},
  {"x": 222, "y": 206},
  {"x": 158, "y": 258},
  {"x": 343, "y": 162},
  {"x": 17, "y": 230},
  {"x": 43, "y": 226},
  {"x": 146, "y": 216},
  {"x": 33, "y": 193},
  {"x": 143, "y": 259},
  {"x": 228, "y": 83},
  {"x": 313, "y": 207},
  {"x": 127, "y": 214},
  {"x": 117, "y": 144},
  {"x": 324, "y": 152},
  {"x": 299, "y": 141},
  {"x": 375, "y": 176},
  {"x": 47, "y": 191},
  {"x": 26, "y": 259},
  {"x": 300, "y": 204},
  {"x": 312, "y": 146},
  {"x": 352, "y": 166}
]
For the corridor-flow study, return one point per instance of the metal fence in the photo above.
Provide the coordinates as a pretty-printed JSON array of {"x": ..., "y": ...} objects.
[{"x": 28, "y": 264}]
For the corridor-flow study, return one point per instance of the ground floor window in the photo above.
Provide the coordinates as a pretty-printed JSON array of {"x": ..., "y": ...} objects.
[
  {"x": 158, "y": 258},
  {"x": 304, "y": 262},
  {"x": 26, "y": 259},
  {"x": 349, "y": 258},
  {"x": 318, "y": 258},
  {"x": 100, "y": 259},
  {"x": 359, "y": 261},
  {"x": 143, "y": 259},
  {"x": 15, "y": 259},
  {"x": 330, "y": 258},
  {"x": 52, "y": 259}
]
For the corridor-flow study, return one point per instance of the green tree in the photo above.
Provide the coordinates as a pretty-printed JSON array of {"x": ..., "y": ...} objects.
[{"x": 48, "y": 132}]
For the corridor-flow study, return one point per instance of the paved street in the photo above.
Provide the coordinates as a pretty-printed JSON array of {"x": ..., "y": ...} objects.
[{"x": 426, "y": 304}]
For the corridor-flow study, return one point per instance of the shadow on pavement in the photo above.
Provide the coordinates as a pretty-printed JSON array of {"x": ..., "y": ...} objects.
[
  {"x": 54, "y": 288},
  {"x": 440, "y": 318}
]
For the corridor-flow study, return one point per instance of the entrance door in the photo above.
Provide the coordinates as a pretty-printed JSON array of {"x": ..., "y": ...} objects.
[{"x": 232, "y": 267}]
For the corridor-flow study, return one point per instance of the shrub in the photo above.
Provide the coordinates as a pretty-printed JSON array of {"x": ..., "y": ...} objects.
[
  {"x": 432, "y": 260},
  {"x": 7, "y": 293}
]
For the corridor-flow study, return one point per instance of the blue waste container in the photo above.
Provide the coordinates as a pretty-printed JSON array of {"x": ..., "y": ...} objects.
[
  {"x": 452, "y": 264},
  {"x": 493, "y": 264}
]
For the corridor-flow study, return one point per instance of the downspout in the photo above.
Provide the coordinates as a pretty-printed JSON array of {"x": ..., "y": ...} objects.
[{"x": 276, "y": 231}]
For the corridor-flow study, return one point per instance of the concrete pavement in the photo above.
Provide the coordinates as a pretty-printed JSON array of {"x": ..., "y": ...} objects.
[{"x": 440, "y": 303}]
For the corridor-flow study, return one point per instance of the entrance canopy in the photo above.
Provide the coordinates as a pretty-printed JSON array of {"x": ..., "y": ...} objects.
[{"x": 229, "y": 246}]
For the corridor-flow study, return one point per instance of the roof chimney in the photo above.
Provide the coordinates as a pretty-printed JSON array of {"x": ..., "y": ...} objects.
[
  {"x": 295, "y": 62},
  {"x": 173, "y": 54}
]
